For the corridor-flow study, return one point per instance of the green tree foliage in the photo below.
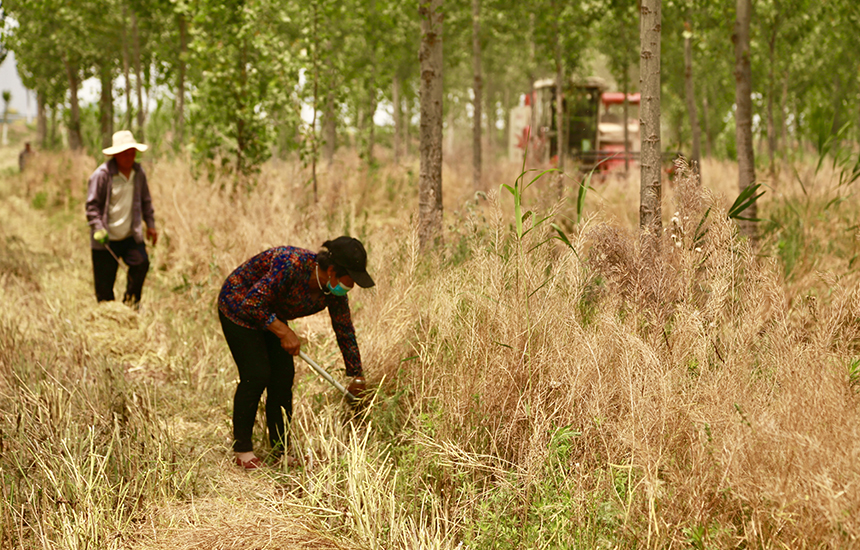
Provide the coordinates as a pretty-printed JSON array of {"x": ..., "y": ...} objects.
[
  {"x": 248, "y": 68},
  {"x": 4, "y": 51},
  {"x": 247, "y": 72}
]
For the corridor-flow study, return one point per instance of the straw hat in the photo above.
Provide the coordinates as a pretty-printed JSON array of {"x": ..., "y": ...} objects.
[{"x": 122, "y": 141}]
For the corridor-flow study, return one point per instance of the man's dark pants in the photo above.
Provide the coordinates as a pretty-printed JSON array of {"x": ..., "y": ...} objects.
[
  {"x": 134, "y": 255},
  {"x": 263, "y": 365}
]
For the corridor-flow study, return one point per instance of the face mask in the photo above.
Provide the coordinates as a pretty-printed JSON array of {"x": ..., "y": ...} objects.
[{"x": 339, "y": 290}]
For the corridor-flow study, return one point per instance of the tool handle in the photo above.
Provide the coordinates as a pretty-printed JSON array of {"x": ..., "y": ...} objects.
[
  {"x": 109, "y": 249},
  {"x": 322, "y": 372}
]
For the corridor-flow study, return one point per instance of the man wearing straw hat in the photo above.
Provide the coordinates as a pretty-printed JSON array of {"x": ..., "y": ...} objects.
[{"x": 118, "y": 200}]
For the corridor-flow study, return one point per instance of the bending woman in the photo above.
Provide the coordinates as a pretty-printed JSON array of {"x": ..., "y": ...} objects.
[{"x": 254, "y": 305}]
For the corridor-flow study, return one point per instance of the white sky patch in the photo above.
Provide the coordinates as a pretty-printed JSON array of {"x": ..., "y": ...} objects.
[{"x": 23, "y": 101}]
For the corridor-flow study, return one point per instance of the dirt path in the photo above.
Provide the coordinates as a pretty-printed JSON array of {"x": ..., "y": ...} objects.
[{"x": 249, "y": 513}]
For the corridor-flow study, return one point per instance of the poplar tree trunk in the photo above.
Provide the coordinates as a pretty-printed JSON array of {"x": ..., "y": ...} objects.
[
  {"x": 626, "y": 91},
  {"x": 398, "y": 116},
  {"x": 743, "y": 114},
  {"x": 650, "y": 188},
  {"x": 137, "y": 78},
  {"x": 783, "y": 110},
  {"x": 709, "y": 141},
  {"x": 491, "y": 117},
  {"x": 74, "y": 130},
  {"x": 477, "y": 89},
  {"x": 125, "y": 71},
  {"x": 771, "y": 90},
  {"x": 241, "y": 93},
  {"x": 690, "y": 92},
  {"x": 407, "y": 125},
  {"x": 358, "y": 139},
  {"x": 771, "y": 125},
  {"x": 372, "y": 88},
  {"x": 329, "y": 129},
  {"x": 42, "y": 120},
  {"x": 54, "y": 125},
  {"x": 180, "y": 88},
  {"x": 371, "y": 133},
  {"x": 533, "y": 133},
  {"x": 430, "y": 175},
  {"x": 506, "y": 113},
  {"x": 106, "y": 104},
  {"x": 561, "y": 146},
  {"x": 329, "y": 122},
  {"x": 316, "y": 95}
]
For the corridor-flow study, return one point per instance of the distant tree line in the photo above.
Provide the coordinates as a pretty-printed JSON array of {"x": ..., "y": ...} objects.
[{"x": 229, "y": 77}]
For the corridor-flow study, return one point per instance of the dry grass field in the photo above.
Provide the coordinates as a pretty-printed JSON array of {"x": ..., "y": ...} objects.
[{"x": 528, "y": 394}]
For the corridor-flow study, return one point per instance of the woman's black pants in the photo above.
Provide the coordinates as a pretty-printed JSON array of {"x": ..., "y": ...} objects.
[{"x": 263, "y": 365}]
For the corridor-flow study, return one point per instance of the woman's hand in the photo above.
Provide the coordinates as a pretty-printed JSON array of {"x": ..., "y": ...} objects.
[
  {"x": 290, "y": 342},
  {"x": 289, "y": 339}
]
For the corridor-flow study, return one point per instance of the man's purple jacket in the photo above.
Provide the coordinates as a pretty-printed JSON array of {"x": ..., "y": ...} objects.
[{"x": 98, "y": 200}]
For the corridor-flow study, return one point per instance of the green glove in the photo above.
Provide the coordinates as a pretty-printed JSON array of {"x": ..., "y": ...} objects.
[{"x": 101, "y": 236}]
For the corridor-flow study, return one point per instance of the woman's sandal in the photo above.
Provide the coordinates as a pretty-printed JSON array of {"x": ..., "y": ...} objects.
[{"x": 249, "y": 465}]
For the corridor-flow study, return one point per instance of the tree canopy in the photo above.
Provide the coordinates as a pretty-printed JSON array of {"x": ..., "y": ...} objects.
[{"x": 249, "y": 68}]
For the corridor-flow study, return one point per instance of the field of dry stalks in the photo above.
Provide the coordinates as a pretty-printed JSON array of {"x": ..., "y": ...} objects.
[{"x": 530, "y": 393}]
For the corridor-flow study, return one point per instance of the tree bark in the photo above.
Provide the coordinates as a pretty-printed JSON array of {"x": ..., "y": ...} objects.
[
  {"x": 650, "y": 186},
  {"x": 137, "y": 78},
  {"x": 42, "y": 120},
  {"x": 54, "y": 138},
  {"x": 180, "y": 88},
  {"x": 533, "y": 133},
  {"x": 709, "y": 141},
  {"x": 690, "y": 92},
  {"x": 506, "y": 112},
  {"x": 561, "y": 146},
  {"x": 407, "y": 125},
  {"x": 783, "y": 109},
  {"x": 490, "y": 107},
  {"x": 430, "y": 175},
  {"x": 477, "y": 89},
  {"x": 357, "y": 139},
  {"x": 771, "y": 90},
  {"x": 106, "y": 104},
  {"x": 743, "y": 113},
  {"x": 771, "y": 125},
  {"x": 329, "y": 128},
  {"x": 626, "y": 91},
  {"x": 241, "y": 95},
  {"x": 126, "y": 64},
  {"x": 371, "y": 132},
  {"x": 329, "y": 121},
  {"x": 75, "y": 140},
  {"x": 397, "y": 114},
  {"x": 316, "y": 95},
  {"x": 371, "y": 85}
]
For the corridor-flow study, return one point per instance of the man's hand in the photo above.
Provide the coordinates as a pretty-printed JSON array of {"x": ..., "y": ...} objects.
[
  {"x": 357, "y": 387},
  {"x": 152, "y": 234}
]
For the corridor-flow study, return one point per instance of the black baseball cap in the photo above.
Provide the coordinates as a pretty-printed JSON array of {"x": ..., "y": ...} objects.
[{"x": 349, "y": 254}]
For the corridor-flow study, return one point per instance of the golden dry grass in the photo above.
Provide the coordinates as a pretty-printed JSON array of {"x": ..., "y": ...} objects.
[{"x": 527, "y": 397}]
